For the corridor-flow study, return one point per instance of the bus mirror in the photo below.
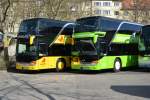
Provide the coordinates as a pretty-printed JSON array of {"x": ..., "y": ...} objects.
[{"x": 31, "y": 39}]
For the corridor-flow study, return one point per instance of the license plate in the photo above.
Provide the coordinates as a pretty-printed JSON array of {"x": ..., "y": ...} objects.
[{"x": 84, "y": 68}]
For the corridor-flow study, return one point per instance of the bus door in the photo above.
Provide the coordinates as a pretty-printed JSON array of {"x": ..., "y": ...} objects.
[{"x": 144, "y": 47}]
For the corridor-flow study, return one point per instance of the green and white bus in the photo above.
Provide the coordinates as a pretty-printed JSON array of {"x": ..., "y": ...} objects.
[
  {"x": 144, "y": 47},
  {"x": 104, "y": 43}
]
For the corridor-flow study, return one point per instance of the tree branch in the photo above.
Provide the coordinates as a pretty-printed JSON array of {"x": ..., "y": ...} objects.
[{"x": 5, "y": 12}]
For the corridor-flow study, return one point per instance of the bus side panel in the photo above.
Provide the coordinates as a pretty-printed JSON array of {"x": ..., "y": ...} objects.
[
  {"x": 50, "y": 62},
  {"x": 107, "y": 62},
  {"x": 45, "y": 63},
  {"x": 144, "y": 61},
  {"x": 130, "y": 60}
]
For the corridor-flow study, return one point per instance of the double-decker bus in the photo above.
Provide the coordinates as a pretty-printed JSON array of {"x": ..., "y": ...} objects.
[
  {"x": 144, "y": 47},
  {"x": 44, "y": 44},
  {"x": 104, "y": 43}
]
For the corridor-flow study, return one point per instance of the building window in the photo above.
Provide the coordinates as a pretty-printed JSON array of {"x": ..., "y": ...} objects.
[
  {"x": 106, "y": 12},
  {"x": 106, "y": 3},
  {"x": 116, "y": 13},
  {"x": 99, "y": 3},
  {"x": 98, "y": 12},
  {"x": 96, "y": 3},
  {"x": 117, "y": 4}
]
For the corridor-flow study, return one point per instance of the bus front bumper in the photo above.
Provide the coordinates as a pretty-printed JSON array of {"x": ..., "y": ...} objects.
[
  {"x": 25, "y": 67},
  {"x": 85, "y": 67}
]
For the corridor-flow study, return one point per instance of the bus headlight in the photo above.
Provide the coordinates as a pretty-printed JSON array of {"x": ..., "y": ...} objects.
[
  {"x": 33, "y": 63},
  {"x": 94, "y": 62}
]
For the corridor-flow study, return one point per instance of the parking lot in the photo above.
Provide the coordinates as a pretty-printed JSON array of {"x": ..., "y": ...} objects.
[{"x": 125, "y": 85}]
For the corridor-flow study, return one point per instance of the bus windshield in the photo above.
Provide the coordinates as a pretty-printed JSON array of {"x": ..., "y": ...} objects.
[
  {"x": 85, "y": 46},
  {"x": 28, "y": 27},
  {"x": 26, "y": 52},
  {"x": 25, "y": 48}
]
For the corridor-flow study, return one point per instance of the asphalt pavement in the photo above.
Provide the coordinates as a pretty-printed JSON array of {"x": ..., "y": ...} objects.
[{"x": 125, "y": 85}]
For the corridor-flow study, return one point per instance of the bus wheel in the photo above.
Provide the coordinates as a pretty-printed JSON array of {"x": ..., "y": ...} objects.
[
  {"x": 117, "y": 65},
  {"x": 60, "y": 65}
]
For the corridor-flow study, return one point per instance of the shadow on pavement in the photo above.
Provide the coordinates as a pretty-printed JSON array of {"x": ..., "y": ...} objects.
[
  {"x": 13, "y": 70},
  {"x": 142, "y": 70},
  {"x": 91, "y": 72},
  {"x": 140, "y": 91},
  {"x": 131, "y": 69}
]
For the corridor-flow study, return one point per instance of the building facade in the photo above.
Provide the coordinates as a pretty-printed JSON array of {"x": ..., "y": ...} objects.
[
  {"x": 108, "y": 8},
  {"x": 136, "y": 10}
]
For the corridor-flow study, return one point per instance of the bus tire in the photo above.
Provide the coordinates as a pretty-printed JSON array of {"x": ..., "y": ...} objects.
[
  {"x": 60, "y": 65},
  {"x": 117, "y": 65}
]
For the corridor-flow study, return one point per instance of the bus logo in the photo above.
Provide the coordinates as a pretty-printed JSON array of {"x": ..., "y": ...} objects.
[{"x": 60, "y": 39}]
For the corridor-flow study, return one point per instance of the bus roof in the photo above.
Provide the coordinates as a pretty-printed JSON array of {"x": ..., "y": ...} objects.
[
  {"x": 41, "y": 25},
  {"x": 46, "y": 19},
  {"x": 100, "y": 17},
  {"x": 108, "y": 24}
]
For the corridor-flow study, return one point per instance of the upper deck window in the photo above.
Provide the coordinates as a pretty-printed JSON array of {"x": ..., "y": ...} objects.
[{"x": 28, "y": 27}]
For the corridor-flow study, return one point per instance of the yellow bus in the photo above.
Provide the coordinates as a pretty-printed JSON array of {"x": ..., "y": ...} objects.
[{"x": 44, "y": 44}]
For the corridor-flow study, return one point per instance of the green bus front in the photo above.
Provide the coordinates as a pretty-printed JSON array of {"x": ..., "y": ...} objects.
[{"x": 106, "y": 45}]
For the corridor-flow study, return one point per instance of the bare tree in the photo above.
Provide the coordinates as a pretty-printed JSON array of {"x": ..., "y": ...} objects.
[
  {"x": 4, "y": 7},
  {"x": 53, "y": 7},
  {"x": 67, "y": 9},
  {"x": 140, "y": 11}
]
